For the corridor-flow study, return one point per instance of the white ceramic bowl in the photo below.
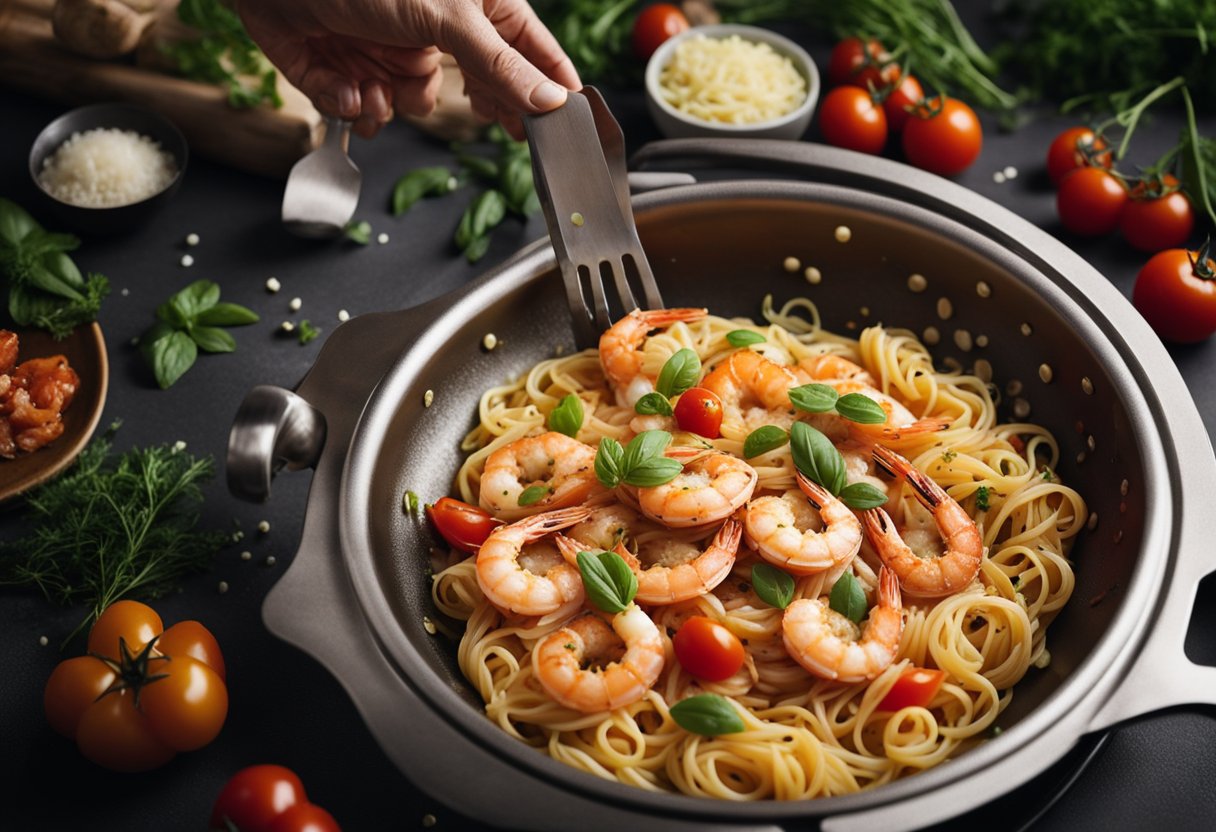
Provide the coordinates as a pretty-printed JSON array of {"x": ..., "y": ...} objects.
[{"x": 678, "y": 125}]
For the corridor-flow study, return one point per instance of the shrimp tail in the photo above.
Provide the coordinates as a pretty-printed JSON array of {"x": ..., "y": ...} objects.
[
  {"x": 539, "y": 525},
  {"x": 888, "y": 589},
  {"x": 816, "y": 493}
]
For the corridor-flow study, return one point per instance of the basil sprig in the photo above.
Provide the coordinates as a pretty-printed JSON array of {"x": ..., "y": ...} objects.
[
  {"x": 775, "y": 588},
  {"x": 707, "y": 714},
  {"x": 764, "y": 439},
  {"x": 639, "y": 463},
  {"x": 680, "y": 372},
  {"x": 820, "y": 398},
  {"x": 848, "y": 598},
  {"x": 190, "y": 321},
  {"x": 567, "y": 417},
  {"x": 653, "y": 404},
  {"x": 817, "y": 458},
  {"x": 608, "y": 580},
  {"x": 744, "y": 338}
]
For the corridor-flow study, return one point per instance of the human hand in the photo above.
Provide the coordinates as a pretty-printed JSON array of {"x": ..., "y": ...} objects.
[{"x": 362, "y": 60}]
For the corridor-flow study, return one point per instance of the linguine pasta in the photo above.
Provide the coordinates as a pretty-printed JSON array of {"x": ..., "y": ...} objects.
[{"x": 803, "y": 736}]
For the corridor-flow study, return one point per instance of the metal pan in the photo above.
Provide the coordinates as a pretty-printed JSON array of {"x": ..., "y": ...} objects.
[{"x": 1087, "y": 366}]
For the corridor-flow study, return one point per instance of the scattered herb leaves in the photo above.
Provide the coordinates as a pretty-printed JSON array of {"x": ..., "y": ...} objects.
[
  {"x": 816, "y": 457},
  {"x": 223, "y": 54},
  {"x": 857, "y": 407},
  {"x": 567, "y": 417},
  {"x": 744, "y": 338},
  {"x": 764, "y": 439},
  {"x": 609, "y": 581},
  {"x": 707, "y": 714},
  {"x": 814, "y": 398},
  {"x": 534, "y": 494},
  {"x": 775, "y": 587},
  {"x": 358, "y": 231},
  {"x": 413, "y": 186},
  {"x": 679, "y": 373},
  {"x": 640, "y": 463},
  {"x": 653, "y": 404},
  {"x": 981, "y": 498},
  {"x": 848, "y": 598},
  {"x": 189, "y": 321},
  {"x": 306, "y": 331},
  {"x": 861, "y": 496}
]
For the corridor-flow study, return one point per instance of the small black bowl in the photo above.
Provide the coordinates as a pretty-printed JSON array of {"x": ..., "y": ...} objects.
[{"x": 96, "y": 221}]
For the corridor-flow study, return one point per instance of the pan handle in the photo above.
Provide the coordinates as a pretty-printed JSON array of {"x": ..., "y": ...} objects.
[{"x": 273, "y": 429}]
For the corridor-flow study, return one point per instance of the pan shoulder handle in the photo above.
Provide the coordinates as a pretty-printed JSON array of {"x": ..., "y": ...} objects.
[{"x": 273, "y": 429}]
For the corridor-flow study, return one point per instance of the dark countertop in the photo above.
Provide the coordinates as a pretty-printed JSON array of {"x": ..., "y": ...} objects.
[{"x": 1154, "y": 773}]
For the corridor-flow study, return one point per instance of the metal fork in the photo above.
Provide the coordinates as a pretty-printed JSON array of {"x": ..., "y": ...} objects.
[{"x": 578, "y": 164}]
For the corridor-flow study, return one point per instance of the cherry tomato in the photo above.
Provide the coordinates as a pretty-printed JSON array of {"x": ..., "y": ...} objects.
[
  {"x": 708, "y": 650},
  {"x": 1076, "y": 147},
  {"x": 849, "y": 56},
  {"x": 136, "y": 623},
  {"x": 1090, "y": 201},
  {"x": 190, "y": 638},
  {"x": 699, "y": 411},
  {"x": 304, "y": 817},
  {"x": 463, "y": 526},
  {"x": 915, "y": 687},
  {"x": 654, "y": 26},
  {"x": 906, "y": 93},
  {"x": 876, "y": 76},
  {"x": 255, "y": 796},
  {"x": 75, "y": 684},
  {"x": 942, "y": 136},
  {"x": 1176, "y": 294},
  {"x": 115, "y": 735},
  {"x": 187, "y": 706},
  {"x": 1157, "y": 216},
  {"x": 849, "y": 118}
]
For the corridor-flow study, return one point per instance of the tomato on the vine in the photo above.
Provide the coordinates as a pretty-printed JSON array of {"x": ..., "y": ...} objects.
[
  {"x": 463, "y": 526},
  {"x": 135, "y": 701},
  {"x": 268, "y": 798},
  {"x": 943, "y": 136},
  {"x": 850, "y": 56},
  {"x": 699, "y": 411},
  {"x": 902, "y": 95},
  {"x": 654, "y": 25},
  {"x": 850, "y": 118},
  {"x": 1090, "y": 201},
  {"x": 708, "y": 650},
  {"x": 1158, "y": 215},
  {"x": 1076, "y": 147},
  {"x": 915, "y": 687},
  {"x": 1176, "y": 294}
]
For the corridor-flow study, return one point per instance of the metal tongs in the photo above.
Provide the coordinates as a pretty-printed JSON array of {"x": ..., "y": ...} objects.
[{"x": 578, "y": 164}]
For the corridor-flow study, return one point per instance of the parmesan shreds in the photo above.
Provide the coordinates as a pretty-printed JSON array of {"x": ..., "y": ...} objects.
[
  {"x": 731, "y": 80},
  {"x": 107, "y": 167}
]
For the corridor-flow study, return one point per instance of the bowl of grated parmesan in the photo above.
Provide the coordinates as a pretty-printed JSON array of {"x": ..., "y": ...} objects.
[
  {"x": 731, "y": 80},
  {"x": 105, "y": 168}
]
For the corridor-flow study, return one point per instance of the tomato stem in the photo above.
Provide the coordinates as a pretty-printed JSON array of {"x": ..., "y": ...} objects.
[
  {"x": 1202, "y": 265},
  {"x": 131, "y": 669}
]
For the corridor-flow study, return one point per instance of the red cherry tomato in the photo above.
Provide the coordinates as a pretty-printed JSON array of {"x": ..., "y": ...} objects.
[
  {"x": 1157, "y": 216},
  {"x": 849, "y": 56},
  {"x": 699, "y": 411},
  {"x": 906, "y": 93},
  {"x": 463, "y": 526},
  {"x": 942, "y": 136},
  {"x": 190, "y": 638},
  {"x": 255, "y": 796},
  {"x": 915, "y": 687},
  {"x": 849, "y": 118},
  {"x": 1176, "y": 294},
  {"x": 1090, "y": 201},
  {"x": 304, "y": 817},
  {"x": 1076, "y": 147},
  {"x": 708, "y": 650},
  {"x": 187, "y": 706},
  {"x": 136, "y": 623},
  {"x": 654, "y": 26}
]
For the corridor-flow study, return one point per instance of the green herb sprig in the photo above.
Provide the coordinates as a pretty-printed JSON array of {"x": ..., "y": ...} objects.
[
  {"x": 610, "y": 583},
  {"x": 820, "y": 398},
  {"x": 224, "y": 54},
  {"x": 190, "y": 321},
  {"x": 45, "y": 288},
  {"x": 817, "y": 458},
  {"x": 639, "y": 463}
]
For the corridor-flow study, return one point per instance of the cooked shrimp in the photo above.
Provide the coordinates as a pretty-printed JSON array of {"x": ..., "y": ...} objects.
[
  {"x": 607, "y": 525},
  {"x": 901, "y": 423},
  {"x": 747, "y": 379},
  {"x": 515, "y": 582},
  {"x": 712, "y": 486},
  {"x": 591, "y": 666},
  {"x": 832, "y": 647},
  {"x": 834, "y": 366},
  {"x": 933, "y": 575},
  {"x": 552, "y": 460},
  {"x": 786, "y": 534},
  {"x": 621, "y": 348}
]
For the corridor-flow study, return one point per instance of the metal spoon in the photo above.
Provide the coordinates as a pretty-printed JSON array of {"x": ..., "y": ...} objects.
[{"x": 323, "y": 187}]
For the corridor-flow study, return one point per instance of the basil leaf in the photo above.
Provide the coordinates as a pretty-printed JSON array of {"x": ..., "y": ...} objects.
[
  {"x": 764, "y": 439},
  {"x": 416, "y": 184},
  {"x": 479, "y": 166},
  {"x": 488, "y": 210},
  {"x": 195, "y": 298},
  {"x": 848, "y": 598},
  {"x": 646, "y": 445},
  {"x": 857, "y": 407},
  {"x": 516, "y": 184},
  {"x": 609, "y": 581},
  {"x": 358, "y": 232},
  {"x": 744, "y": 338},
  {"x": 534, "y": 494},
  {"x": 775, "y": 588},
  {"x": 608, "y": 462},
  {"x": 476, "y": 249},
  {"x": 653, "y": 471},
  {"x": 814, "y": 398},
  {"x": 707, "y": 714},
  {"x": 212, "y": 339},
  {"x": 38, "y": 276},
  {"x": 817, "y": 458},
  {"x": 680, "y": 372},
  {"x": 15, "y": 222},
  {"x": 227, "y": 314},
  {"x": 862, "y": 495},
  {"x": 567, "y": 417},
  {"x": 653, "y": 404},
  {"x": 171, "y": 356}
]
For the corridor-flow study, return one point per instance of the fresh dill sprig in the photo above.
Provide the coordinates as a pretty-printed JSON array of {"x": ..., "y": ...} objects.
[{"x": 113, "y": 527}]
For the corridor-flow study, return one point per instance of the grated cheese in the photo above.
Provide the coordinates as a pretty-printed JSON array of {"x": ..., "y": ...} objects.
[
  {"x": 731, "y": 80},
  {"x": 107, "y": 167}
]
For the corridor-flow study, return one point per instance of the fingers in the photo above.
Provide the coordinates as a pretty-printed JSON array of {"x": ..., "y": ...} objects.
[
  {"x": 377, "y": 109},
  {"x": 521, "y": 28},
  {"x": 417, "y": 96},
  {"x": 332, "y": 92}
]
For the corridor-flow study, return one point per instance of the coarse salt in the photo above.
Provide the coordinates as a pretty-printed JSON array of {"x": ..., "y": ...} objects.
[{"x": 106, "y": 168}]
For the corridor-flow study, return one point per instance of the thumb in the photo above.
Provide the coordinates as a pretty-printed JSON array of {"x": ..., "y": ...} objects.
[{"x": 482, "y": 53}]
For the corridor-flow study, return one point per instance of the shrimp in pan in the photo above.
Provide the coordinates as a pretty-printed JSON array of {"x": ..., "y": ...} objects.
[
  {"x": 832, "y": 366},
  {"x": 784, "y": 534},
  {"x": 831, "y": 646},
  {"x": 537, "y": 585},
  {"x": 712, "y": 487},
  {"x": 621, "y": 349},
  {"x": 592, "y": 666},
  {"x": 754, "y": 390},
  {"x": 901, "y": 423},
  {"x": 565, "y": 466},
  {"x": 935, "y": 575}
]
